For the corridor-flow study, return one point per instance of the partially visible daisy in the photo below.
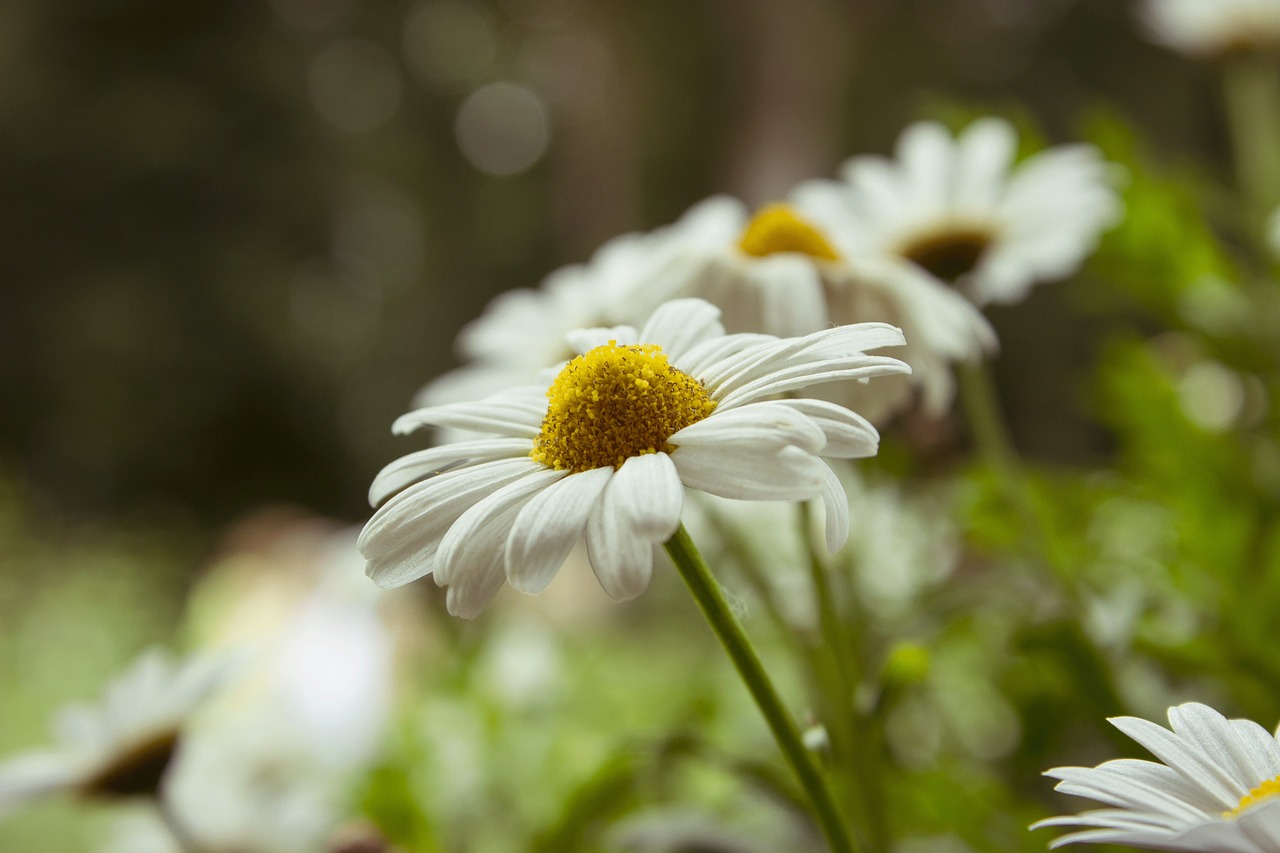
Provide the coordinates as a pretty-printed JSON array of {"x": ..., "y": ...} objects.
[
  {"x": 606, "y": 451},
  {"x": 122, "y": 747},
  {"x": 1216, "y": 791},
  {"x": 233, "y": 792},
  {"x": 959, "y": 210},
  {"x": 773, "y": 271},
  {"x": 1213, "y": 27},
  {"x": 784, "y": 271},
  {"x": 523, "y": 331}
]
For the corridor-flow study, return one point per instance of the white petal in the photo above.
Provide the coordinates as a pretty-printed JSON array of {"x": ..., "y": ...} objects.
[
  {"x": 33, "y": 775},
  {"x": 640, "y": 507},
  {"x": 585, "y": 340},
  {"x": 792, "y": 300},
  {"x": 762, "y": 427},
  {"x": 836, "y": 504},
  {"x": 741, "y": 473},
  {"x": 409, "y": 469},
  {"x": 401, "y": 539},
  {"x": 848, "y": 434},
  {"x": 677, "y": 326},
  {"x": 481, "y": 531},
  {"x": 503, "y": 415},
  {"x": 548, "y": 527}
]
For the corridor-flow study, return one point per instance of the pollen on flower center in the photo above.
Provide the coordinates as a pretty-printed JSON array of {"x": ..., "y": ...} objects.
[
  {"x": 1267, "y": 789},
  {"x": 950, "y": 254},
  {"x": 778, "y": 228},
  {"x": 615, "y": 402}
]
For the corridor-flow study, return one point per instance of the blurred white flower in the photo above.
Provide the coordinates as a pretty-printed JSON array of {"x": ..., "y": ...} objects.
[
  {"x": 607, "y": 450},
  {"x": 1212, "y": 27},
  {"x": 322, "y": 685},
  {"x": 1214, "y": 793},
  {"x": 774, "y": 272},
  {"x": 786, "y": 271},
  {"x": 959, "y": 210},
  {"x": 123, "y": 746},
  {"x": 230, "y": 795},
  {"x": 523, "y": 332}
]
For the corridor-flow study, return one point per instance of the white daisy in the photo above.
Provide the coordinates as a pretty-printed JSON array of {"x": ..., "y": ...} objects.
[
  {"x": 522, "y": 332},
  {"x": 606, "y": 451},
  {"x": 1213, "y": 27},
  {"x": 123, "y": 746},
  {"x": 958, "y": 210},
  {"x": 1216, "y": 791},
  {"x": 783, "y": 271}
]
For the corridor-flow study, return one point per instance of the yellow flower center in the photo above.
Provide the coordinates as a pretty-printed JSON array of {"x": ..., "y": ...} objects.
[
  {"x": 615, "y": 402},
  {"x": 778, "y": 228},
  {"x": 1269, "y": 788}
]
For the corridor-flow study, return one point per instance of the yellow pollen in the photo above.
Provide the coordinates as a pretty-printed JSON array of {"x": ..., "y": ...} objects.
[
  {"x": 1269, "y": 788},
  {"x": 615, "y": 402},
  {"x": 777, "y": 228}
]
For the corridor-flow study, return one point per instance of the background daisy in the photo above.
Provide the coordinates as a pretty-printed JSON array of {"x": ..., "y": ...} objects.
[{"x": 959, "y": 209}]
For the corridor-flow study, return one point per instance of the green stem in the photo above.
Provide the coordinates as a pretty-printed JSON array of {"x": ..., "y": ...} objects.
[
  {"x": 706, "y": 591},
  {"x": 837, "y": 663},
  {"x": 1252, "y": 93}
]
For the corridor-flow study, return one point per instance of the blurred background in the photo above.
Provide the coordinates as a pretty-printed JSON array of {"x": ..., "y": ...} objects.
[{"x": 238, "y": 237}]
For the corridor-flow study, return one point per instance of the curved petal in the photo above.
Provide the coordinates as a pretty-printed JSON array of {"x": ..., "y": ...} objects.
[
  {"x": 640, "y": 507},
  {"x": 848, "y": 434},
  {"x": 503, "y": 416},
  {"x": 401, "y": 539},
  {"x": 677, "y": 326},
  {"x": 745, "y": 473},
  {"x": 407, "y": 470},
  {"x": 836, "y": 504},
  {"x": 792, "y": 301},
  {"x": 481, "y": 529},
  {"x": 548, "y": 526}
]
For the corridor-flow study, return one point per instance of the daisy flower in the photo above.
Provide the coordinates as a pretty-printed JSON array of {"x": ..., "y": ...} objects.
[
  {"x": 959, "y": 211},
  {"x": 1213, "y": 27},
  {"x": 606, "y": 451},
  {"x": 523, "y": 331},
  {"x": 1214, "y": 793},
  {"x": 784, "y": 271},
  {"x": 123, "y": 746}
]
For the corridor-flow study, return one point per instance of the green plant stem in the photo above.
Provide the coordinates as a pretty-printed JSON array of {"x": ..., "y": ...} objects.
[
  {"x": 1251, "y": 89},
  {"x": 837, "y": 665},
  {"x": 181, "y": 835},
  {"x": 706, "y": 591},
  {"x": 991, "y": 437}
]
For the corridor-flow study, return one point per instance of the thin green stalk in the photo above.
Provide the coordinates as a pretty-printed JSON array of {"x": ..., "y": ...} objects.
[
  {"x": 837, "y": 662},
  {"x": 706, "y": 591},
  {"x": 1251, "y": 89}
]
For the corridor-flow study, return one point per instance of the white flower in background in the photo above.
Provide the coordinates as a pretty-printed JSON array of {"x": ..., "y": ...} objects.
[
  {"x": 322, "y": 686},
  {"x": 123, "y": 746},
  {"x": 607, "y": 450},
  {"x": 783, "y": 271},
  {"x": 959, "y": 210},
  {"x": 1212, "y": 27},
  {"x": 522, "y": 332},
  {"x": 1214, "y": 793},
  {"x": 231, "y": 795}
]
